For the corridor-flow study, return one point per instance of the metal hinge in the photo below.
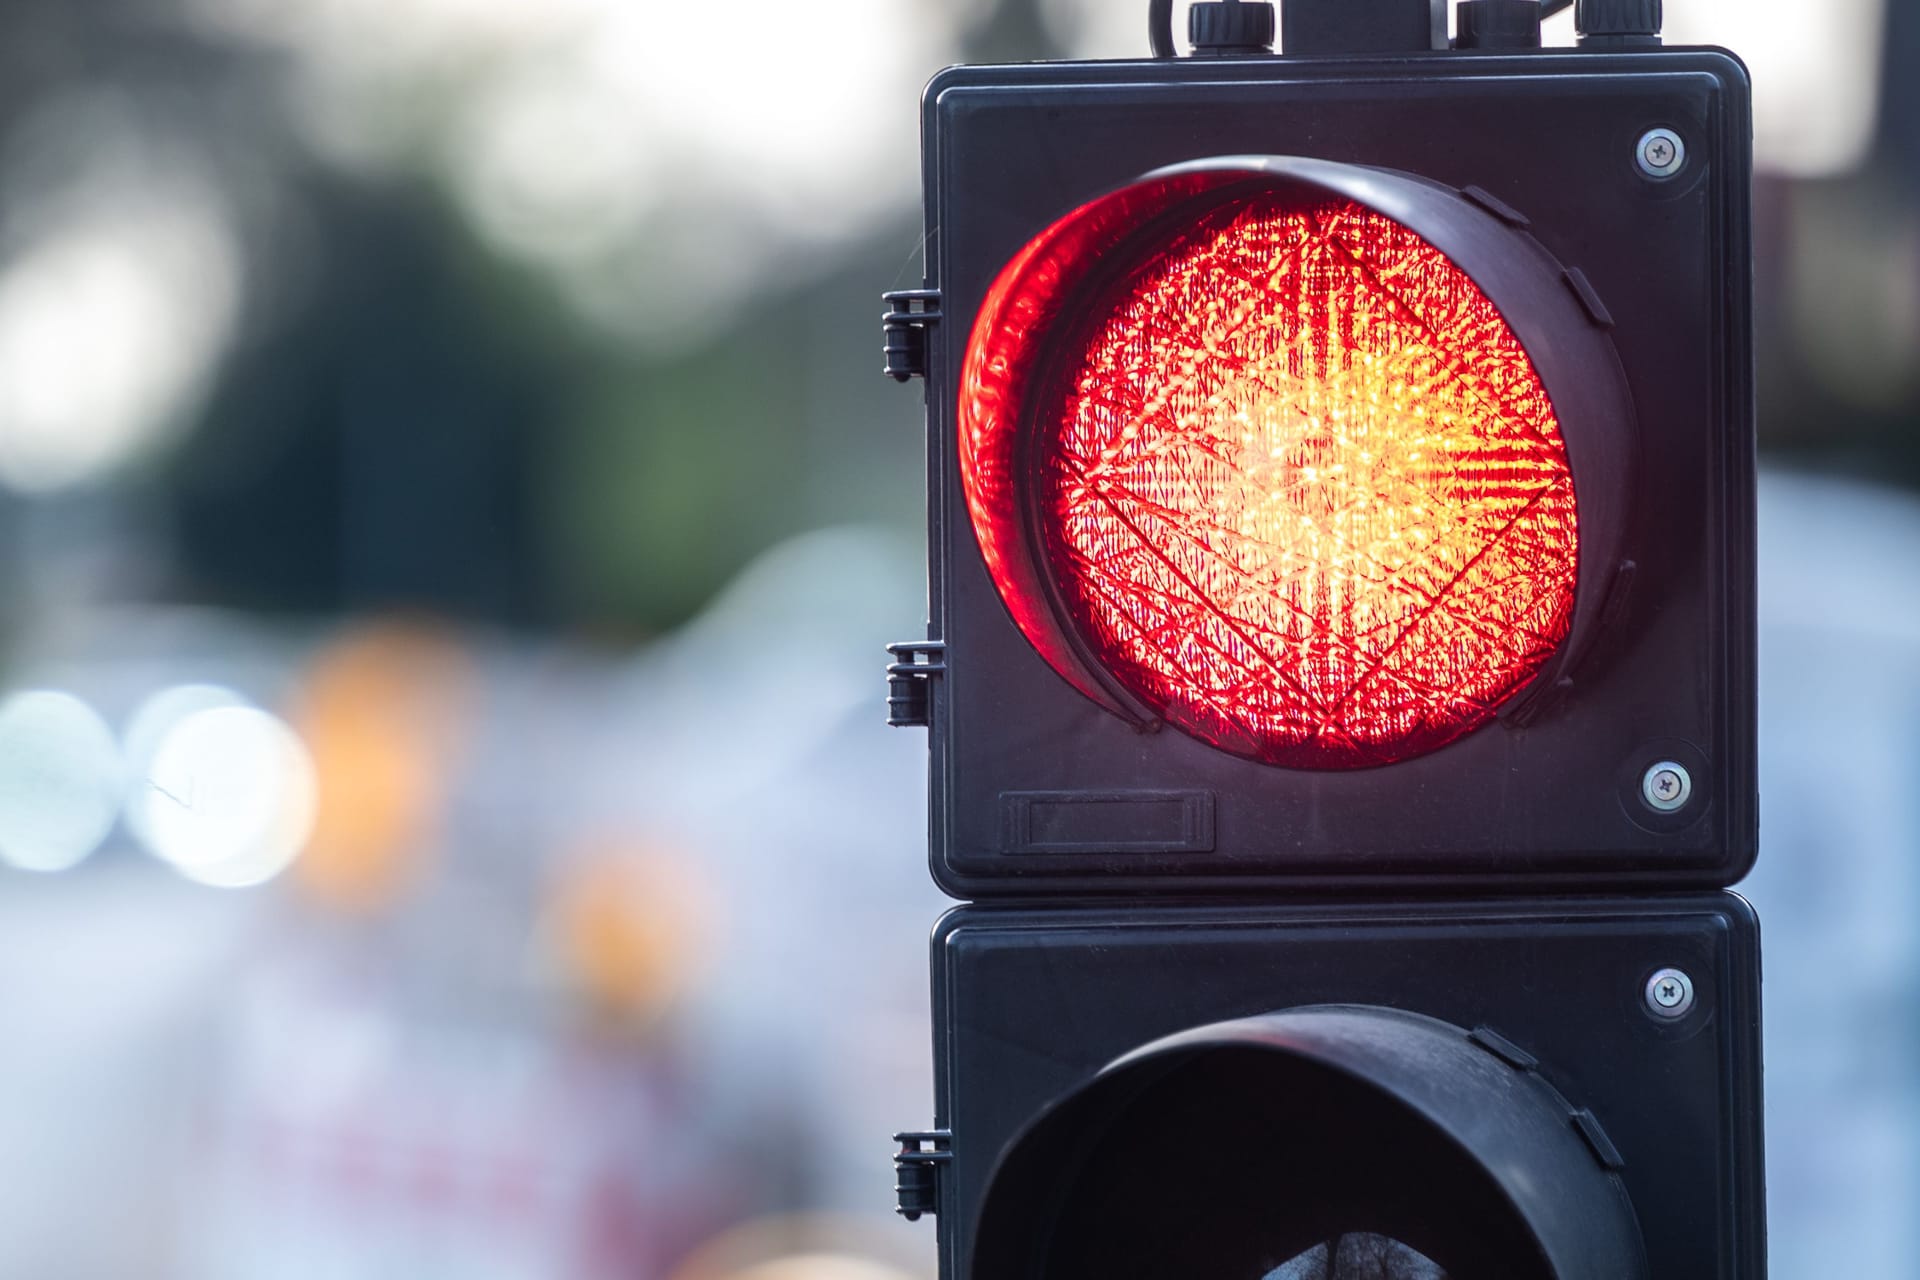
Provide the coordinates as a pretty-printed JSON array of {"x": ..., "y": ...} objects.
[
  {"x": 916, "y": 1169},
  {"x": 911, "y": 313},
  {"x": 909, "y": 676}
]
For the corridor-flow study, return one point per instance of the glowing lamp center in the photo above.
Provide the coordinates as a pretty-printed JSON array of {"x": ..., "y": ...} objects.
[{"x": 1301, "y": 490}]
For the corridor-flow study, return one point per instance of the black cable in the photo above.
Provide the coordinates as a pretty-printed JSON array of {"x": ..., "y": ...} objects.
[{"x": 1160, "y": 27}]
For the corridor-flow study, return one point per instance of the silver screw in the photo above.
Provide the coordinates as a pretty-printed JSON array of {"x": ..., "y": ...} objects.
[
  {"x": 1667, "y": 787},
  {"x": 1670, "y": 994},
  {"x": 1661, "y": 153}
]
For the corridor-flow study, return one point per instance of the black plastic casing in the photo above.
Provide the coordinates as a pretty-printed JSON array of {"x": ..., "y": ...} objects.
[
  {"x": 1037, "y": 790},
  {"x": 1030, "y": 1004}
]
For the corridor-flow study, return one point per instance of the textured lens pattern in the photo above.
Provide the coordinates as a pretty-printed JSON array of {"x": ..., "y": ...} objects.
[{"x": 1302, "y": 492}]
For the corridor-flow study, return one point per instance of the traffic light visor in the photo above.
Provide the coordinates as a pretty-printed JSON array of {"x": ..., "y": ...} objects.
[
  {"x": 1247, "y": 453},
  {"x": 1229, "y": 1149}
]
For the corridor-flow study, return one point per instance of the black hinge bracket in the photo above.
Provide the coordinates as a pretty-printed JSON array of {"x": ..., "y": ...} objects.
[
  {"x": 916, "y": 1170},
  {"x": 1598, "y": 1142},
  {"x": 910, "y": 317},
  {"x": 914, "y": 665},
  {"x": 1589, "y": 298},
  {"x": 1497, "y": 207},
  {"x": 1504, "y": 1049}
]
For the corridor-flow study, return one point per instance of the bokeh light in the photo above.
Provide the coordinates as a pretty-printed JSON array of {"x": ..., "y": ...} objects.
[
  {"x": 822, "y": 1266},
  {"x": 627, "y": 930},
  {"x": 120, "y": 279},
  {"x": 1815, "y": 86},
  {"x": 152, "y": 720},
  {"x": 228, "y": 797},
  {"x": 661, "y": 180},
  {"x": 806, "y": 1246},
  {"x": 382, "y": 707},
  {"x": 60, "y": 776}
]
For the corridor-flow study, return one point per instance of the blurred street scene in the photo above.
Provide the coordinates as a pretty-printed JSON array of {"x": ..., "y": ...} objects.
[{"x": 450, "y": 520}]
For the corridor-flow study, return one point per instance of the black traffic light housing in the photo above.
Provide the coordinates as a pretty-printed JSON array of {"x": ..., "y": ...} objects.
[
  {"x": 1037, "y": 787},
  {"x": 1491, "y": 1001},
  {"x": 1536, "y": 1093}
]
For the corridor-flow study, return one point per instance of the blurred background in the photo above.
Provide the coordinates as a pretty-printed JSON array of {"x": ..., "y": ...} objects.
[{"x": 450, "y": 515}]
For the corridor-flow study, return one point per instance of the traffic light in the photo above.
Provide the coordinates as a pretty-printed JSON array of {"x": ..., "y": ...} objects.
[{"x": 1340, "y": 659}]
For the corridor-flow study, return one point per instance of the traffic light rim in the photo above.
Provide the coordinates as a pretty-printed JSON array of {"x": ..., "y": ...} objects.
[
  {"x": 1557, "y": 318},
  {"x": 1501, "y": 1117}
]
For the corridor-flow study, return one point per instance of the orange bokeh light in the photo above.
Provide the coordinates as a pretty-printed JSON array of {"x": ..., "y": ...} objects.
[{"x": 1300, "y": 489}]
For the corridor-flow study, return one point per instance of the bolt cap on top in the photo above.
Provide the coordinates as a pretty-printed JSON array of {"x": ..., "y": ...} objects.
[{"x": 1231, "y": 26}]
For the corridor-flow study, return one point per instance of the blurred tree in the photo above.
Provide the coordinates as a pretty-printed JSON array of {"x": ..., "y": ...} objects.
[
  {"x": 375, "y": 451},
  {"x": 1015, "y": 33}
]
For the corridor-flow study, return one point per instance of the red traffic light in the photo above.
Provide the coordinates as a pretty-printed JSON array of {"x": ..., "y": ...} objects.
[
  {"x": 1404, "y": 480},
  {"x": 1289, "y": 477}
]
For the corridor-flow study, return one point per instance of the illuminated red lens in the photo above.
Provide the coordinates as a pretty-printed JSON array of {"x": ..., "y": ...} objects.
[{"x": 1295, "y": 482}]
